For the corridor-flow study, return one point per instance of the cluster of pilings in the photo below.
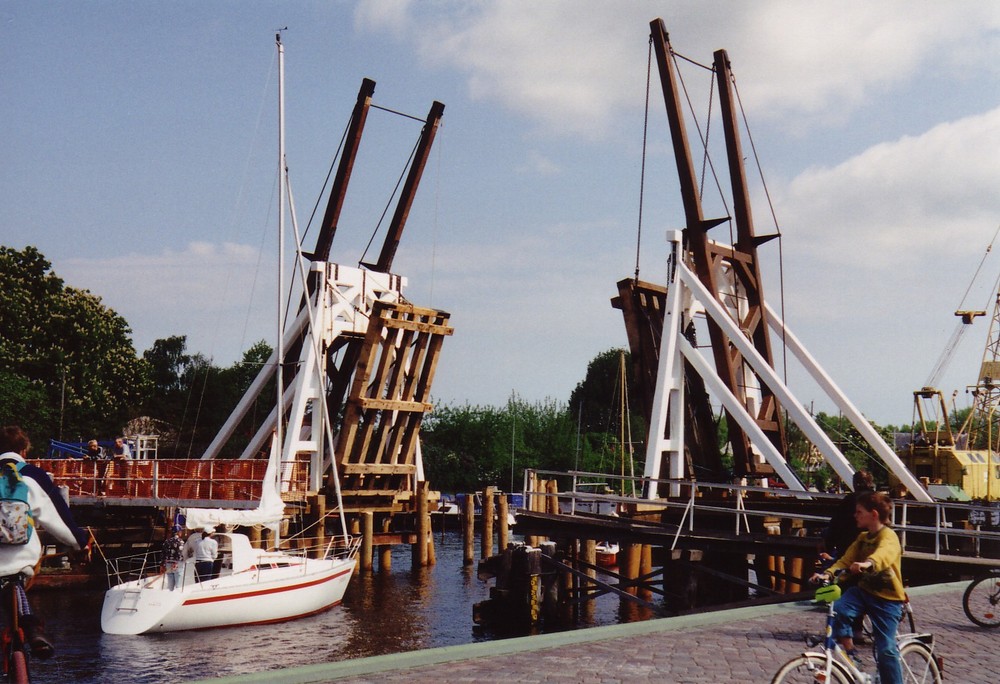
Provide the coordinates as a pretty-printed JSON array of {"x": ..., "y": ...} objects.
[{"x": 494, "y": 527}]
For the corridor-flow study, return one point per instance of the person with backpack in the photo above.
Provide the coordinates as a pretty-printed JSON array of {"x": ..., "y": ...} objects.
[{"x": 28, "y": 496}]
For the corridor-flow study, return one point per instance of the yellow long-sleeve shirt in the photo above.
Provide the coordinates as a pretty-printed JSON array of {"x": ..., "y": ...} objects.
[{"x": 884, "y": 579}]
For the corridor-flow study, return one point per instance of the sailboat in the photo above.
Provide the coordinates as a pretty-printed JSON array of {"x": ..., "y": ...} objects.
[{"x": 253, "y": 586}]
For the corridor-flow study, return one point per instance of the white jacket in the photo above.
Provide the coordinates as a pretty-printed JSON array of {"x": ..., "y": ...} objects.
[{"x": 50, "y": 511}]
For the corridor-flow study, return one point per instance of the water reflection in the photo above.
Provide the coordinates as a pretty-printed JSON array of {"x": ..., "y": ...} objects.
[{"x": 382, "y": 613}]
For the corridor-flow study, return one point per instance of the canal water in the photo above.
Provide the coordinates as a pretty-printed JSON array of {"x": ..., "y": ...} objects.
[{"x": 382, "y": 613}]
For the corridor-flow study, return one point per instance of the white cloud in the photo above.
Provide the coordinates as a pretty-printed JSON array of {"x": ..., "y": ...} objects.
[
  {"x": 213, "y": 293},
  {"x": 539, "y": 164},
  {"x": 906, "y": 200},
  {"x": 573, "y": 66}
]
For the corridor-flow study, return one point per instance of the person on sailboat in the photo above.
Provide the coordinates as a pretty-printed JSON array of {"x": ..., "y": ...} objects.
[
  {"x": 173, "y": 559},
  {"x": 205, "y": 554},
  {"x": 46, "y": 506}
]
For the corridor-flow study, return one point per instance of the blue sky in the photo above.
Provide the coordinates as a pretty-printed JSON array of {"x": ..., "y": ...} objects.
[{"x": 140, "y": 146}]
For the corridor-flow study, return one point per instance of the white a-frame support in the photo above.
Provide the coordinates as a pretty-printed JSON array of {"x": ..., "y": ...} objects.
[
  {"x": 666, "y": 431},
  {"x": 343, "y": 300}
]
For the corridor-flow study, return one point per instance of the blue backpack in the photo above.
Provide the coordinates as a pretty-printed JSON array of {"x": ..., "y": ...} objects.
[{"x": 16, "y": 519}]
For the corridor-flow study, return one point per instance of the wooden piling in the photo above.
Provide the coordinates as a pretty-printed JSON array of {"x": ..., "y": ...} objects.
[
  {"x": 487, "y": 531},
  {"x": 775, "y": 564},
  {"x": 503, "y": 537},
  {"x": 367, "y": 536},
  {"x": 317, "y": 503},
  {"x": 645, "y": 568},
  {"x": 589, "y": 555},
  {"x": 795, "y": 566},
  {"x": 552, "y": 498},
  {"x": 534, "y": 503},
  {"x": 419, "y": 555},
  {"x": 630, "y": 566},
  {"x": 468, "y": 530},
  {"x": 385, "y": 551}
]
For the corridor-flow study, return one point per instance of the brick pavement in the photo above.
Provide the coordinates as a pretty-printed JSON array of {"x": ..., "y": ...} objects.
[{"x": 741, "y": 645}]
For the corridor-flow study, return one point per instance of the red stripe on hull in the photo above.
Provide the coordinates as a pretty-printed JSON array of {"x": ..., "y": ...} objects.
[{"x": 263, "y": 592}]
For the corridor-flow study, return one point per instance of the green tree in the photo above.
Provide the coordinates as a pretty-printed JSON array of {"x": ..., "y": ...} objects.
[
  {"x": 196, "y": 397},
  {"x": 62, "y": 344}
]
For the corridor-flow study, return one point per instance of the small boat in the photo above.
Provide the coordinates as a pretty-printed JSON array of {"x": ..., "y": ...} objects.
[
  {"x": 254, "y": 587},
  {"x": 607, "y": 554}
]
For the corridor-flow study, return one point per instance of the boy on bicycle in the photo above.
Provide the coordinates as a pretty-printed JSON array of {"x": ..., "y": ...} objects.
[
  {"x": 875, "y": 557},
  {"x": 50, "y": 510}
]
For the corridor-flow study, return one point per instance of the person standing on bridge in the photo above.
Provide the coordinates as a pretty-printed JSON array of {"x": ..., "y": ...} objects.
[{"x": 875, "y": 557}]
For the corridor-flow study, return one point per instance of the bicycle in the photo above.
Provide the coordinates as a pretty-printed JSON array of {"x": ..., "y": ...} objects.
[
  {"x": 15, "y": 653},
  {"x": 832, "y": 664},
  {"x": 981, "y": 600}
]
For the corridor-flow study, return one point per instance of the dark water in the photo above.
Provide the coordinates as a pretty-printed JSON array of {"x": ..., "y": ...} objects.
[{"x": 403, "y": 610}]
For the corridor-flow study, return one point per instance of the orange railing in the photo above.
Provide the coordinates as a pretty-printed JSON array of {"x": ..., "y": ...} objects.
[{"x": 219, "y": 480}]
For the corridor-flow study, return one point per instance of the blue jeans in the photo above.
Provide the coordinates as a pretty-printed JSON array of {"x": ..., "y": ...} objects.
[
  {"x": 885, "y": 616},
  {"x": 174, "y": 575}
]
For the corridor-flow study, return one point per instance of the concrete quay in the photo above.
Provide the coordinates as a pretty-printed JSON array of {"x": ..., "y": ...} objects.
[{"x": 738, "y": 645}]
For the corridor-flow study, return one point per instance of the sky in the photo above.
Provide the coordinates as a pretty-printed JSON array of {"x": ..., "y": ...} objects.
[{"x": 141, "y": 139}]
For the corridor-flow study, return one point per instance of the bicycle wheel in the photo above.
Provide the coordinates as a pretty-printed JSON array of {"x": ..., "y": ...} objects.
[
  {"x": 981, "y": 600},
  {"x": 18, "y": 668},
  {"x": 808, "y": 669},
  {"x": 919, "y": 664}
]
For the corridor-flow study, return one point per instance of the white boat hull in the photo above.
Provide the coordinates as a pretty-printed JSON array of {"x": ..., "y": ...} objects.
[{"x": 254, "y": 596}]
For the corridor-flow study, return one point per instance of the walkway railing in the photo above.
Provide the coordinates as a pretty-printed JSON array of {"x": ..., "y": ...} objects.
[
  {"x": 942, "y": 528},
  {"x": 169, "y": 479}
]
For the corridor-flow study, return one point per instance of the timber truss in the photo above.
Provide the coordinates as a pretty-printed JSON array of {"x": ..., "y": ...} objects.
[
  {"x": 721, "y": 285},
  {"x": 358, "y": 359}
]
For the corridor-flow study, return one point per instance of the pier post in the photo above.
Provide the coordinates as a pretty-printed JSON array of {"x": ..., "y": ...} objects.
[
  {"x": 487, "y": 531},
  {"x": 775, "y": 564},
  {"x": 552, "y": 498},
  {"x": 645, "y": 567},
  {"x": 367, "y": 535},
  {"x": 419, "y": 556},
  {"x": 534, "y": 503},
  {"x": 385, "y": 551},
  {"x": 468, "y": 530},
  {"x": 317, "y": 503},
  {"x": 795, "y": 565},
  {"x": 503, "y": 510},
  {"x": 630, "y": 568},
  {"x": 589, "y": 553}
]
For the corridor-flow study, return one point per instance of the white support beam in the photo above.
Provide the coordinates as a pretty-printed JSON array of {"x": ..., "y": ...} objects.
[
  {"x": 669, "y": 393},
  {"x": 250, "y": 396},
  {"x": 739, "y": 413},
  {"x": 795, "y": 410},
  {"x": 860, "y": 423}
]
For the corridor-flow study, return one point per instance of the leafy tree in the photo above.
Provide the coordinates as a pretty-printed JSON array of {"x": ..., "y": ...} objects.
[
  {"x": 62, "y": 344},
  {"x": 196, "y": 397}
]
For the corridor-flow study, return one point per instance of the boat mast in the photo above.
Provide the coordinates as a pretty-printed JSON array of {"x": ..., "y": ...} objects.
[{"x": 280, "y": 356}]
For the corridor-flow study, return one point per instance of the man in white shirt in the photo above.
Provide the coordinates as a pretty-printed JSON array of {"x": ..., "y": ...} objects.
[{"x": 205, "y": 554}]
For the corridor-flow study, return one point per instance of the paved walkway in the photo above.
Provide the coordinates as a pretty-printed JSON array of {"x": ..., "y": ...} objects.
[{"x": 741, "y": 645}]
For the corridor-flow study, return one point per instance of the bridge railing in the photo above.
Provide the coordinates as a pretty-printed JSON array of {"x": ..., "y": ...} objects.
[
  {"x": 171, "y": 479},
  {"x": 943, "y": 527}
]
